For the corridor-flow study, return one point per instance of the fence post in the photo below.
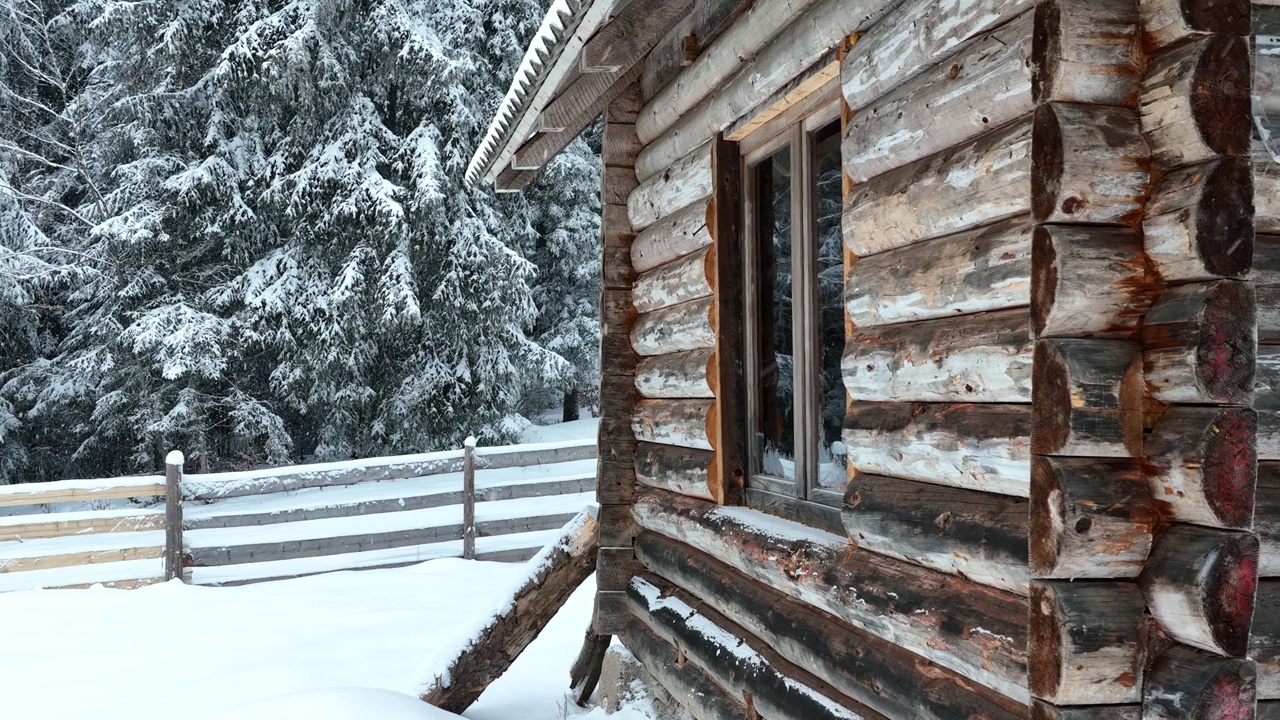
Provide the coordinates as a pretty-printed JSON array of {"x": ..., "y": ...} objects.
[
  {"x": 469, "y": 498},
  {"x": 173, "y": 515}
]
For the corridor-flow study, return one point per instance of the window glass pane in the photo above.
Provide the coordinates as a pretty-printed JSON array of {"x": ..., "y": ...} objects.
[
  {"x": 831, "y": 468},
  {"x": 776, "y": 412}
]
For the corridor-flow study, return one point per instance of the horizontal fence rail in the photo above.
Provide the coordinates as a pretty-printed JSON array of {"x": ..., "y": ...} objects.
[{"x": 237, "y": 527}]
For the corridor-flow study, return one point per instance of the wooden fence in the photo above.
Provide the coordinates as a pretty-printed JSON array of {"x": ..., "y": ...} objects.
[{"x": 494, "y": 503}]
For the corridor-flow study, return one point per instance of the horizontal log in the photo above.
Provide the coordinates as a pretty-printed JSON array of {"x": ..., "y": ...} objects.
[
  {"x": 674, "y": 422},
  {"x": 61, "y": 491},
  {"x": 1090, "y": 518},
  {"x": 1266, "y": 520},
  {"x": 677, "y": 235},
  {"x": 1088, "y": 281},
  {"x": 1091, "y": 165},
  {"x": 1264, "y": 639},
  {"x": 1199, "y": 344},
  {"x": 912, "y": 38},
  {"x": 970, "y": 272},
  {"x": 985, "y": 447},
  {"x": 676, "y": 469},
  {"x": 1195, "y": 102},
  {"x": 617, "y": 527},
  {"x": 1201, "y": 463},
  {"x": 1184, "y": 684},
  {"x": 686, "y": 326},
  {"x": 1199, "y": 584},
  {"x": 1087, "y": 398},
  {"x": 738, "y": 662},
  {"x": 1266, "y": 258},
  {"x": 1266, "y": 192},
  {"x": 33, "y": 527},
  {"x": 1084, "y": 644},
  {"x": 976, "y": 631},
  {"x": 688, "y": 278},
  {"x": 974, "y": 358},
  {"x": 978, "y": 536},
  {"x": 864, "y": 667},
  {"x": 680, "y": 375},
  {"x": 1199, "y": 222},
  {"x": 614, "y": 568},
  {"x": 1041, "y": 710},
  {"x": 1268, "y": 314},
  {"x": 688, "y": 685},
  {"x": 680, "y": 185},
  {"x": 1267, "y": 402},
  {"x": 75, "y": 559},
  {"x": 1166, "y": 22}
]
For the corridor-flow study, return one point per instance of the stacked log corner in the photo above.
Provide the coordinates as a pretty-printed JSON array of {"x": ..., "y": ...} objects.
[{"x": 618, "y": 367}]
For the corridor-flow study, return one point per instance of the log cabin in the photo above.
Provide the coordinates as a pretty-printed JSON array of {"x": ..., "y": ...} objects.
[{"x": 940, "y": 349}]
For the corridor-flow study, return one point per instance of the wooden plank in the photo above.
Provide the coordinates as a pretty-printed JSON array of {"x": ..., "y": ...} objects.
[
  {"x": 49, "y": 526},
  {"x": 1199, "y": 344},
  {"x": 728, "y": 374},
  {"x": 1167, "y": 22},
  {"x": 614, "y": 568},
  {"x": 932, "y": 614},
  {"x": 617, "y": 479},
  {"x": 564, "y": 565},
  {"x": 975, "y": 535},
  {"x": 1201, "y": 463},
  {"x": 1090, "y": 518},
  {"x": 617, "y": 526},
  {"x": 785, "y": 504},
  {"x": 77, "y": 491},
  {"x": 628, "y": 37},
  {"x": 1200, "y": 584},
  {"x": 974, "y": 358},
  {"x": 611, "y": 615},
  {"x": 864, "y": 667},
  {"x": 680, "y": 184},
  {"x": 676, "y": 469},
  {"x": 686, "y": 423},
  {"x": 1087, "y": 398},
  {"x": 680, "y": 375},
  {"x": 173, "y": 516},
  {"x": 677, "y": 235},
  {"x": 1085, "y": 643},
  {"x": 687, "y": 326},
  {"x": 682, "y": 280},
  {"x": 985, "y": 447},
  {"x": 74, "y": 559},
  {"x": 1089, "y": 281},
  {"x": 1185, "y": 684},
  {"x": 570, "y": 113},
  {"x": 1199, "y": 222}
]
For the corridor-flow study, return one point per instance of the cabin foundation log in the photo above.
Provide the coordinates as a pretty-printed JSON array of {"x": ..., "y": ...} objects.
[
  {"x": 1186, "y": 684},
  {"x": 684, "y": 682}
]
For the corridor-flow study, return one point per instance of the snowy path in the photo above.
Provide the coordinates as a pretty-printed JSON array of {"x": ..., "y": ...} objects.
[{"x": 198, "y": 653}]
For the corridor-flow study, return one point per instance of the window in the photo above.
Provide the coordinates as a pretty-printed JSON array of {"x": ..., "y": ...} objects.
[{"x": 795, "y": 312}]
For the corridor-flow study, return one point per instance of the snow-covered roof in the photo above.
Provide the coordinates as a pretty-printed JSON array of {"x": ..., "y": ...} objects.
[{"x": 552, "y": 53}]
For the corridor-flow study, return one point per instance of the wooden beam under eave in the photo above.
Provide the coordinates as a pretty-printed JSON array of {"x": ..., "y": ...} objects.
[
  {"x": 631, "y": 35},
  {"x": 539, "y": 149},
  {"x": 512, "y": 180}
]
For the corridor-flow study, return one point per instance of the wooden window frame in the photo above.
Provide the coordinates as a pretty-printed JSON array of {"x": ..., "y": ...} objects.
[{"x": 801, "y": 499}]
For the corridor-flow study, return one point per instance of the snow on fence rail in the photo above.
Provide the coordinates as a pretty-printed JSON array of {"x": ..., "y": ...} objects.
[{"x": 284, "y": 522}]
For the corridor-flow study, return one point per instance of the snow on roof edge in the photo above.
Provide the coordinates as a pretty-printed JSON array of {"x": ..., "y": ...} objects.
[{"x": 564, "y": 30}]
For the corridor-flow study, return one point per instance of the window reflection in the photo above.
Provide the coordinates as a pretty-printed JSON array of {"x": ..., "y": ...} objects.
[
  {"x": 777, "y": 371},
  {"x": 831, "y": 468}
]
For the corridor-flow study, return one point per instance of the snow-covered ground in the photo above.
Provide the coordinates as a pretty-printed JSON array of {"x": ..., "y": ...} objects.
[{"x": 335, "y": 646}]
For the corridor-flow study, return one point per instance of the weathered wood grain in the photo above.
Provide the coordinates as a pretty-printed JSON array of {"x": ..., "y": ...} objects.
[
  {"x": 1090, "y": 518},
  {"x": 688, "y": 278},
  {"x": 974, "y": 358},
  {"x": 1199, "y": 344},
  {"x": 34, "y": 527},
  {"x": 674, "y": 422},
  {"x": 1084, "y": 644},
  {"x": 1041, "y": 710},
  {"x": 676, "y": 469},
  {"x": 1201, "y": 463},
  {"x": 1087, "y": 398},
  {"x": 685, "y": 682},
  {"x": 1185, "y": 684},
  {"x": 1266, "y": 260},
  {"x": 677, "y": 328},
  {"x": 626, "y": 38},
  {"x": 1086, "y": 51},
  {"x": 728, "y": 369},
  {"x": 1266, "y": 191},
  {"x": 677, "y": 235},
  {"x": 1264, "y": 639},
  {"x": 1199, "y": 222},
  {"x": 1267, "y": 402},
  {"x": 1089, "y": 281},
  {"x": 1166, "y": 22},
  {"x": 985, "y": 447},
  {"x": 680, "y": 184},
  {"x": 709, "y": 20},
  {"x": 1266, "y": 521},
  {"x": 680, "y": 375},
  {"x": 1091, "y": 165}
]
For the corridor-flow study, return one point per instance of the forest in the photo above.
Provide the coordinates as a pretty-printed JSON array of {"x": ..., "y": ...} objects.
[{"x": 239, "y": 228}]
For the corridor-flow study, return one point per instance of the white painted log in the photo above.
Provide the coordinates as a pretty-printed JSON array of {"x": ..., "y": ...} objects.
[
  {"x": 1088, "y": 281},
  {"x": 681, "y": 375},
  {"x": 686, "y": 180},
  {"x": 1198, "y": 223},
  {"x": 686, "y": 326},
  {"x": 673, "y": 237},
  {"x": 674, "y": 422},
  {"x": 676, "y": 469},
  {"x": 688, "y": 278}
]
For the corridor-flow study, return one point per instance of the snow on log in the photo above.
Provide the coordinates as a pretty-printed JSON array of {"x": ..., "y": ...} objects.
[
  {"x": 981, "y": 446},
  {"x": 976, "y": 535},
  {"x": 679, "y": 375},
  {"x": 1199, "y": 584},
  {"x": 554, "y": 573},
  {"x": 868, "y": 669},
  {"x": 1264, "y": 640},
  {"x": 970, "y": 272},
  {"x": 1201, "y": 464},
  {"x": 1185, "y": 684},
  {"x": 677, "y": 235},
  {"x": 1166, "y": 22},
  {"x": 688, "y": 278},
  {"x": 1196, "y": 102},
  {"x": 977, "y": 631},
  {"x": 1087, "y": 398},
  {"x": 686, "y": 326},
  {"x": 685, "y": 682},
  {"x": 1199, "y": 344},
  {"x": 1085, "y": 643},
  {"x": 1088, "y": 281},
  {"x": 686, "y": 423},
  {"x": 974, "y": 358},
  {"x": 1266, "y": 521},
  {"x": 1199, "y": 222},
  {"x": 737, "y": 661},
  {"x": 679, "y": 470},
  {"x": 681, "y": 185},
  {"x": 1090, "y": 518}
]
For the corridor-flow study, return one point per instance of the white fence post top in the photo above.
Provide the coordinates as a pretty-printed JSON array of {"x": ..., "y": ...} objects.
[
  {"x": 470, "y": 442},
  {"x": 174, "y": 457}
]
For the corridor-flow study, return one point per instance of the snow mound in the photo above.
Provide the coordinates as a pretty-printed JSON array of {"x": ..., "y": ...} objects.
[{"x": 340, "y": 704}]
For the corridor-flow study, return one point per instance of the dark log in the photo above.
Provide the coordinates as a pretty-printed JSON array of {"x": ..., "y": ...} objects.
[
  {"x": 1267, "y": 518},
  {"x": 1084, "y": 645},
  {"x": 1088, "y": 281},
  {"x": 1266, "y": 258},
  {"x": 674, "y": 422},
  {"x": 976, "y": 631},
  {"x": 1091, "y": 165},
  {"x": 1268, "y": 314},
  {"x": 686, "y": 326},
  {"x": 1090, "y": 518},
  {"x": 728, "y": 374},
  {"x": 614, "y": 568},
  {"x": 1199, "y": 344},
  {"x": 173, "y": 556},
  {"x": 684, "y": 682},
  {"x": 975, "y": 358},
  {"x": 677, "y": 235},
  {"x": 1264, "y": 641},
  {"x": 680, "y": 375},
  {"x": 688, "y": 278},
  {"x": 1185, "y": 684},
  {"x": 1196, "y": 102},
  {"x": 737, "y": 661},
  {"x": 617, "y": 526},
  {"x": 616, "y": 480},
  {"x": 1041, "y": 710},
  {"x": 970, "y": 272},
  {"x": 1201, "y": 463},
  {"x": 978, "y": 536},
  {"x": 617, "y": 318},
  {"x": 1199, "y": 583},
  {"x": 677, "y": 469},
  {"x": 983, "y": 447},
  {"x": 1087, "y": 398},
  {"x": 868, "y": 669},
  {"x": 1268, "y": 710},
  {"x": 611, "y": 614},
  {"x": 1166, "y": 22},
  {"x": 585, "y": 672},
  {"x": 563, "y": 566},
  {"x": 1199, "y": 222}
]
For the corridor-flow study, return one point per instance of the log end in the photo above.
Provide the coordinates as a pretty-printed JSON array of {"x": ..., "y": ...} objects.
[
  {"x": 1224, "y": 220},
  {"x": 1228, "y": 343},
  {"x": 1044, "y": 277},
  {"x": 1230, "y": 466},
  {"x": 1047, "y": 169},
  {"x": 1221, "y": 94},
  {"x": 1230, "y": 593}
]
